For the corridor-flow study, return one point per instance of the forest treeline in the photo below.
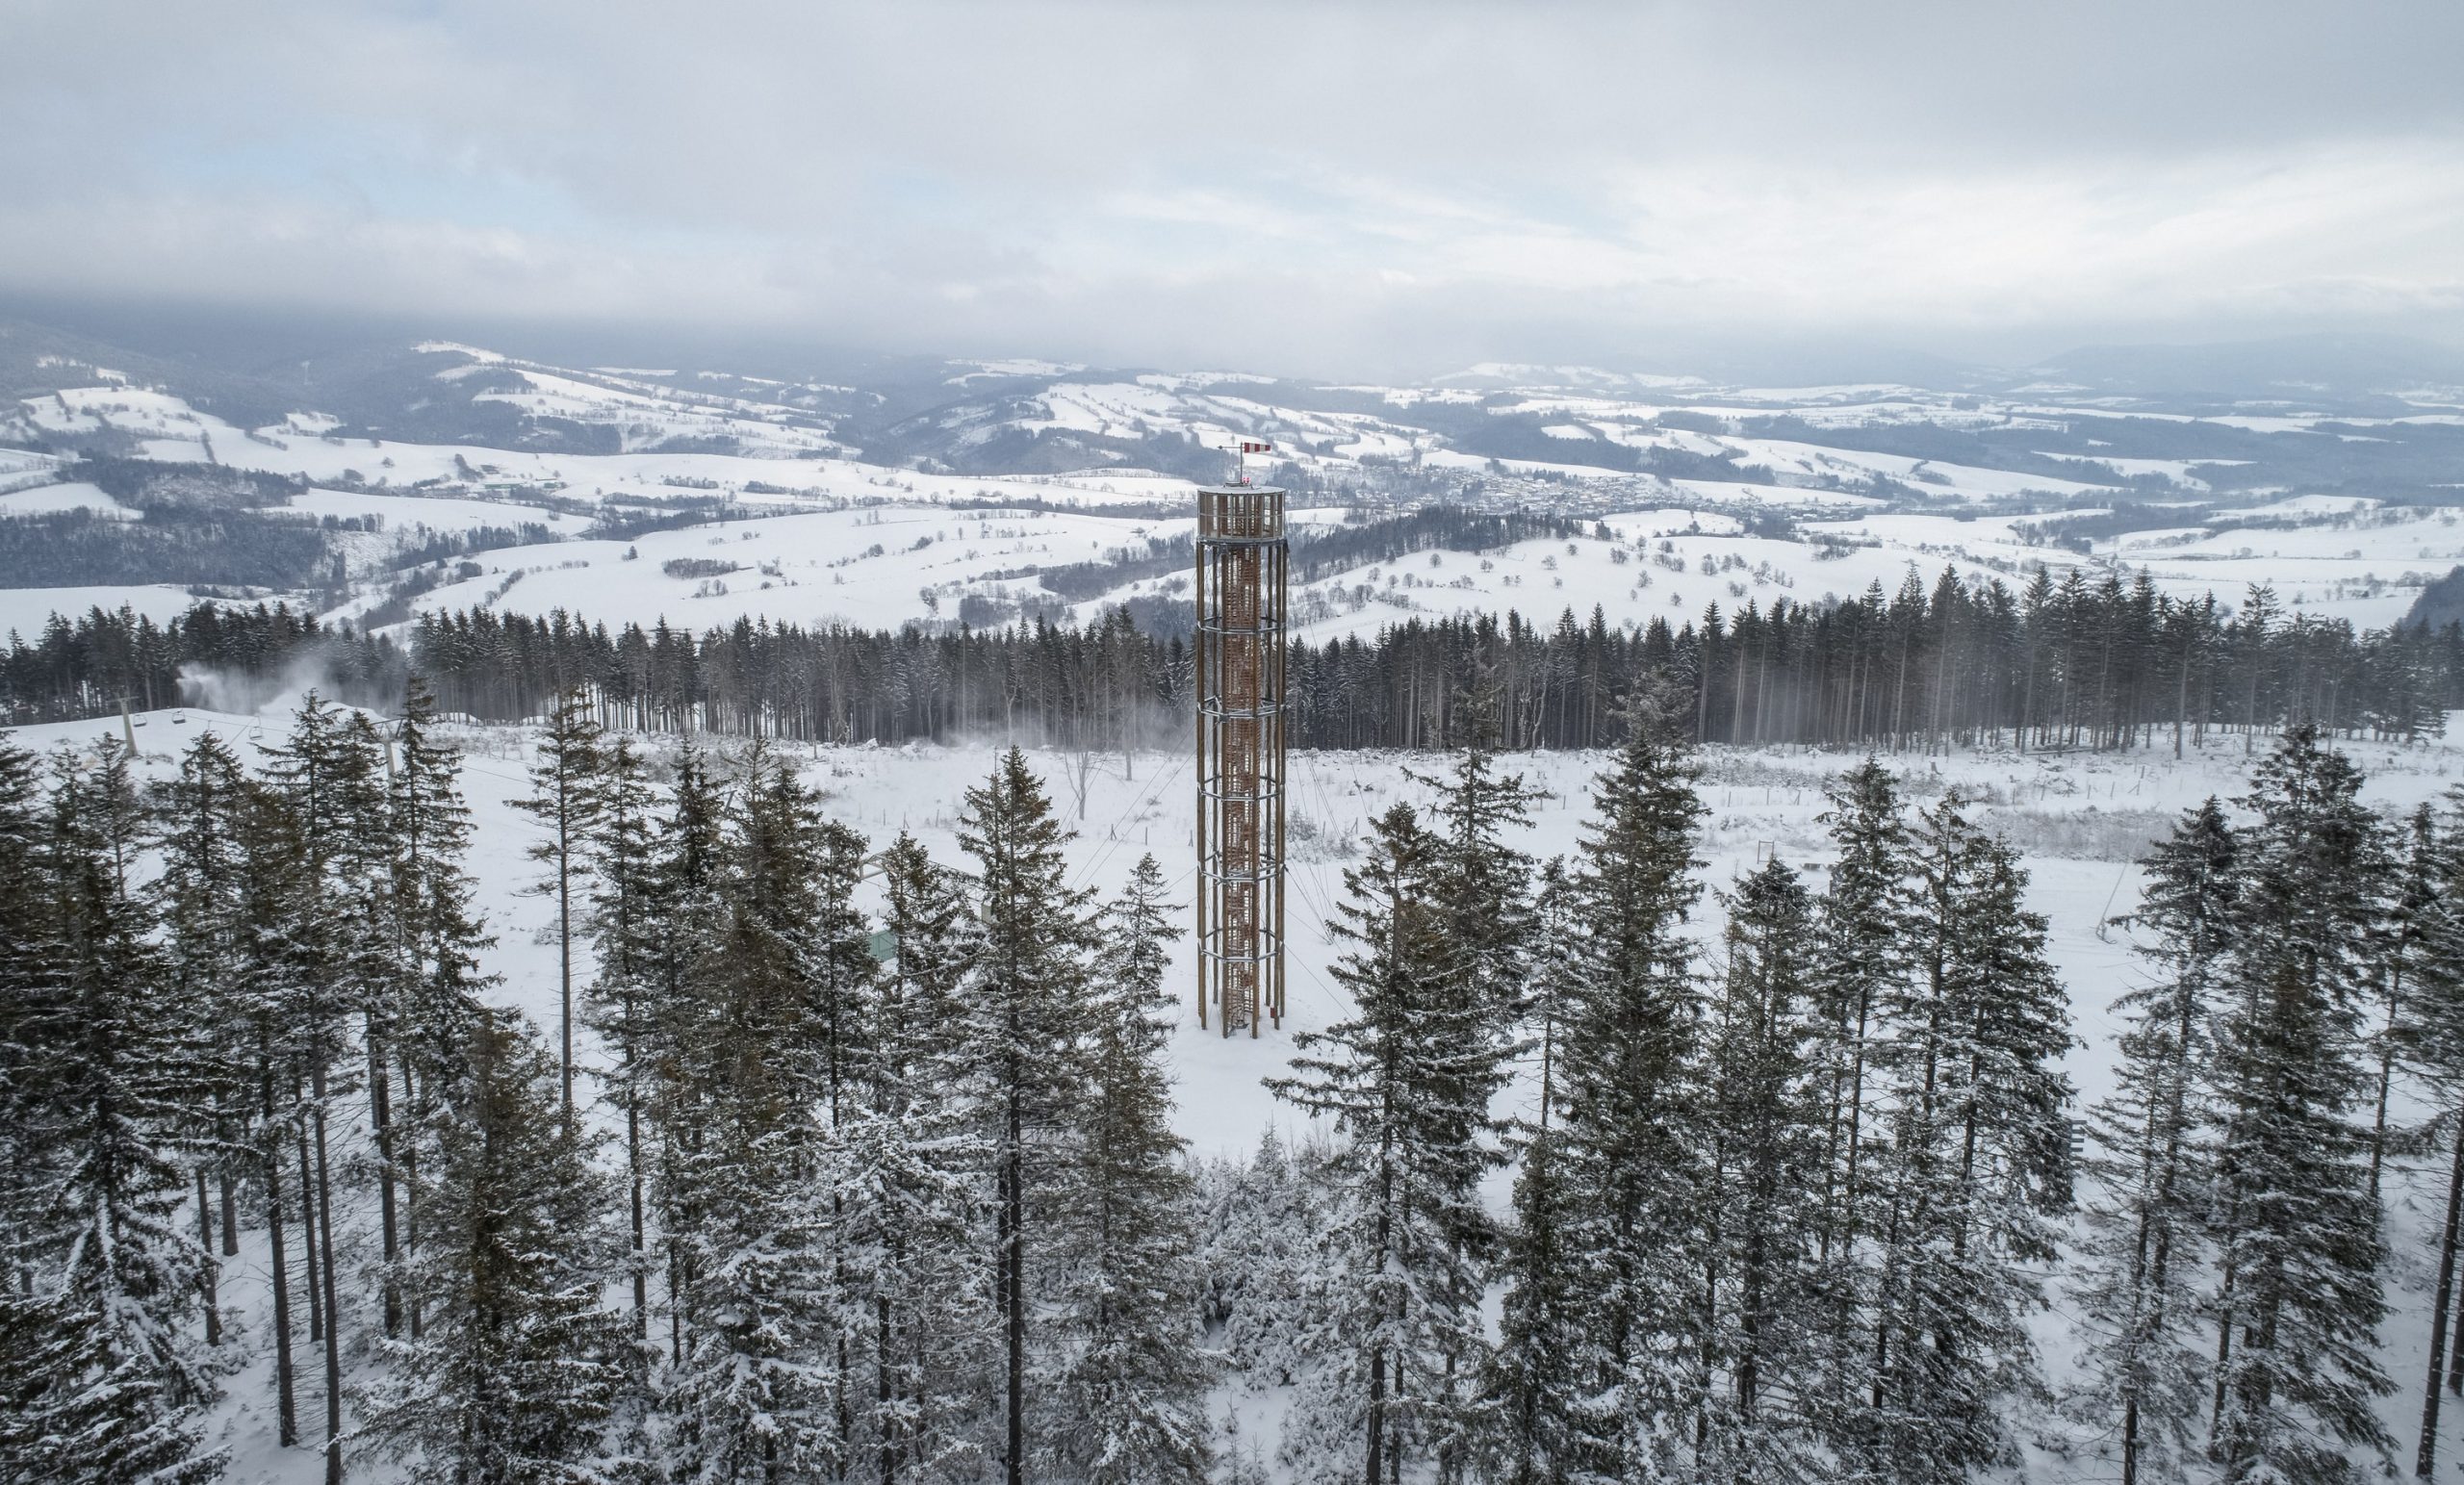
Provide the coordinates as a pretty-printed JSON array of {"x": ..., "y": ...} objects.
[
  {"x": 893, "y": 1194},
  {"x": 2063, "y": 663}
]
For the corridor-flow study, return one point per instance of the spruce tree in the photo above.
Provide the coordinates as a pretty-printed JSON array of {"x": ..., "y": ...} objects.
[
  {"x": 1863, "y": 947},
  {"x": 1628, "y": 1173},
  {"x": 1481, "y": 879},
  {"x": 2135, "y": 1287},
  {"x": 335, "y": 950},
  {"x": 621, "y": 1007},
  {"x": 2410, "y": 953},
  {"x": 1527, "y": 1433},
  {"x": 29, "y": 1000},
  {"x": 1023, "y": 1053},
  {"x": 24, "y": 985},
  {"x": 201, "y": 902},
  {"x": 564, "y": 799},
  {"x": 281, "y": 1019},
  {"x": 516, "y": 1367},
  {"x": 1257, "y": 1243},
  {"x": 760, "y": 1385},
  {"x": 2431, "y": 1036},
  {"x": 1764, "y": 1117},
  {"x": 1130, "y": 1390},
  {"x": 1482, "y": 885},
  {"x": 436, "y": 982},
  {"x": 682, "y": 915},
  {"x": 1406, "y": 1081},
  {"x": 799, "y": 876},
  {"x": 2299, "y": 1301},
  {"x": 911, "y": 1282},
  {"x": 1976, "y": 1167},
  {"x": 104, "y": 1365}
]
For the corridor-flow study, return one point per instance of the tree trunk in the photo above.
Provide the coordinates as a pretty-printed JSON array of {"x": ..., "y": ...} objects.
[
  {"x": 308, "y": 1239},
  {"x": 286, "y": 1410},
  {"x": 1014, "y": 1297},
  {"x": 380, "y": 1119},
  {"x": 641, "y": 1261},
  {"x": 564, "y": 968},
  {"x": 205, "y": 1274},
  {"x": 333, "y": 1295},
  {"x": 2427, "y": 1456},
  {"x": 886, "y": 1442}
]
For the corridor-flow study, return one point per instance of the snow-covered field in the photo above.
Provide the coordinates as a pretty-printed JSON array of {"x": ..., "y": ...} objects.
[
  {"x": 168, "y": 429},
  {"x": 1865, "y": 517},
  {"x": 1668, "y": 562},
  {"x": 2080, "y": 819}
]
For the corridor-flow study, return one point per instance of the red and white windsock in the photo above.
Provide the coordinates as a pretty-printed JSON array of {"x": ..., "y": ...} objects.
[{"x": 1242, "y": 448}]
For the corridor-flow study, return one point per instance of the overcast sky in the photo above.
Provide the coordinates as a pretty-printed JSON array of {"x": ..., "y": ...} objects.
[{"x": 1334, "y": 189}]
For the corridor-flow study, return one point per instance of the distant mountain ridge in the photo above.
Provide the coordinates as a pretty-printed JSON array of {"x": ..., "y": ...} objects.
[
  {"x": 2300, "y": 369},
  {"x": 2375, "y": 416}
]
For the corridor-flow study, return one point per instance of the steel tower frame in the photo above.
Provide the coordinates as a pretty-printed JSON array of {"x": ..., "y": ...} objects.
[{"x": 1243, "y": 592}]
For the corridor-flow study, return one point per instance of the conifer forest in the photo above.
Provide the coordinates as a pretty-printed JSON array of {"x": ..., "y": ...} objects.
[
  {"x": 2058, "y": 663},
  {"x": 833, "y": 1158}
]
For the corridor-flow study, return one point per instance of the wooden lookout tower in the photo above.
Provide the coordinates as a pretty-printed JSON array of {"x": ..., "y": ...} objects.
[{"x": 1243, "y": 587}]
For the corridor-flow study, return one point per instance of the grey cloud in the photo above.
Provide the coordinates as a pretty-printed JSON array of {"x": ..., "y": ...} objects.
[{"x": 1368, "y": 186}]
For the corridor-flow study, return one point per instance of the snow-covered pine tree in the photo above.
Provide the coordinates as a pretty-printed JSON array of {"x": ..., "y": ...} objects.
[
  {"x": 1406, "y": 1080},
  {"x": 1526, "y": 1434},
  {"x": 1024, "y": 1046},
  {"x": 1482, "y": 881},
  {"x": 2431, "y": 1036},
  {"x": 2406, "y": 953},
  {"x": 807, "y": 869},
  {"x": 1764, "y": 1115},
  {"x": 1976, "y": 1167},
  {"x": 1862, "y": 946},
  {"x": 335, "y": 954},
  {"x": 434, "y": 997},
  {"x": 1257, "y": 1243},
  {"x": 564, "y": 799},
  {"x": 621, "y": 851},
  {"x": 282, "y": 1019},
  {"x": 681, "y": 915},
  {"x": 1129, "y": 1398},
  {"x": 911, "y": 1285},
  {"x": 1483, "y": 885},
  {"x": 104, "y": 1372},
  {"x": 2299, "y": 1303},
  {"x": 517, "y": 1365},
  {"x": 24, "y": 983},
  {"x": 760, "y": 1388},
  {"x": 798, "y": 878},
  {"x": 201, "y": 901},
  {"x": 2135, "y": 1287},
  {"x": 1623, "y": 1156},
  {"x": 438, "y": 926}
]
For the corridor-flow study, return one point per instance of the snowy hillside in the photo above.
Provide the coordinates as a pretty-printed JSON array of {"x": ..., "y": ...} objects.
[{"x": 439, "y": 450}]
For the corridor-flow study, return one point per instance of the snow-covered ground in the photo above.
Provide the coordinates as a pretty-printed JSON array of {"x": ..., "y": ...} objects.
[
  {"x": 2081, "y": 819},
  {"x": 2339, "y": 556},
  {"x": 168, "y": 429}
]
